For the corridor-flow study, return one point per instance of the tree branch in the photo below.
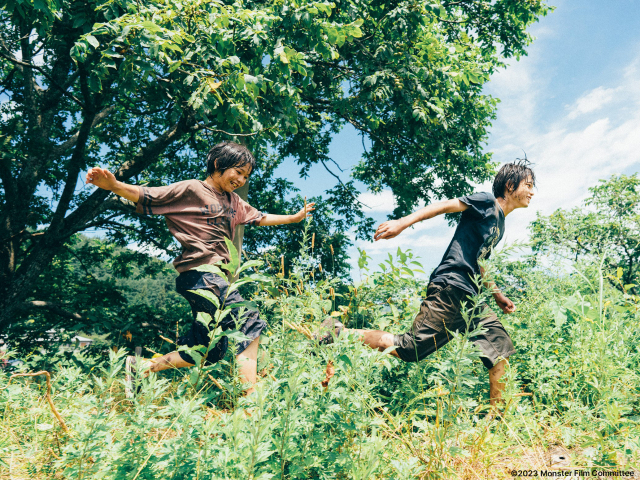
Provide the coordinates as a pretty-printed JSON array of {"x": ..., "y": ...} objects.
[
  {"x": 65, "y": 92},
  {"x": 154, "y": 149},
  {"x": 339, "y": 180},
  {"x": 231, "y": 134},
  {"x": 22, "y": 234},
  {"x": 145, "y": 157},
  {"x": 71, "y": 141},
  {"x": 73, "y": 171},
  {"x": 51, "y": 307},
  {"x": 98, "y": 223}
]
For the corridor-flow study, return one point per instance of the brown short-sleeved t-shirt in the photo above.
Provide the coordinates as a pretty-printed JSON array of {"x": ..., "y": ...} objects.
[{"x": 199, "y": 217}]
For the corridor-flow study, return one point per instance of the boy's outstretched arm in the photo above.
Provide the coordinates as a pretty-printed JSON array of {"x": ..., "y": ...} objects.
[
  {"x": 270, "y": 219},
  {"x": 392, "y": 228},
  {"x": 506, "y": 305},
  {"x": 103, "y": 178}
]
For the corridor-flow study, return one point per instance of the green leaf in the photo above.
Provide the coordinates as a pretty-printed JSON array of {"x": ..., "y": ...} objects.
[
  {"x": 94, "y": 83},
  {"x": 193, "y": 378},
  {"x": 345, "y": 359},
  {"x": 208, "y": 294},
  {"x": 93, "y": 41},
  {"x": 79, "y": 21},
  {"x": 234, "y": 261},
  {"x": 212, "y": 269},
  {"x": 332, "y": 35},
  {"x": 203, "y": 318},
  {"x": 273, "y": 291},
  {"x": 250, "y": 264},
  {"x": 151, "y": 27},
  {"x": 109, "y": 63},
  {"x": 173, "y": 47},
  {"x": 250, "y": 79},
  {"x": 248, "y": 304}
]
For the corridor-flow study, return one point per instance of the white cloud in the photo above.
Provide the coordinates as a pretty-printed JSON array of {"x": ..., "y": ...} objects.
[
  {"x": 597, "y": 137},
  {"x": 592, "y": 101},
  {"x": 378, "y": 202}
]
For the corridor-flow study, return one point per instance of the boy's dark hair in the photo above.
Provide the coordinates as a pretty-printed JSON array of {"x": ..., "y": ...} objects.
[
  {"x": 510, "y": 175},
  {"x": 226, "y": 155}
]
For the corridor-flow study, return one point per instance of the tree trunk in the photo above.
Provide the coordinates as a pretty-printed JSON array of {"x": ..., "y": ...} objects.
[
  {"x": 21, "y": 285},
  {"x": 243, "y": 193}
]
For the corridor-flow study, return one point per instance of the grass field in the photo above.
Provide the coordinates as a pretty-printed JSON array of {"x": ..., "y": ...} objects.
[{"x": 571, "y": 401}]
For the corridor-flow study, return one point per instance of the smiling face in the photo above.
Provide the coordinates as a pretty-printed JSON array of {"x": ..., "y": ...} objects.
[
  {"x": 231, "y": 178},
  {"x": 522, "y": 195}
]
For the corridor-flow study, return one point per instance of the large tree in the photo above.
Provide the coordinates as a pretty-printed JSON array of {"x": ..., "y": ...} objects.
[{"x": 145, "y": 87}]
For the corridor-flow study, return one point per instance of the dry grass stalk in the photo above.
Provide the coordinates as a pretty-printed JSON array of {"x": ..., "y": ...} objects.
[
  {"x": 166, "y": 339},
  {"x": 299, "y": 328},
  {"x": 48, "y": 395},
  {"x": 216, "y": 382},
  {"x": 330, "y": 372},
  {"x": 152, "y": 351}
]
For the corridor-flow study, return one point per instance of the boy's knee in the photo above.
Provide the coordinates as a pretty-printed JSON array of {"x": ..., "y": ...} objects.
[{"x": 388, "y": 339}]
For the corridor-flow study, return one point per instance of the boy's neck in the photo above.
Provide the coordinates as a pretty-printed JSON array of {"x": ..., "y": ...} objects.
[
  {"x": 506, "y": 204},
  {"x": 212, "y": 183}
]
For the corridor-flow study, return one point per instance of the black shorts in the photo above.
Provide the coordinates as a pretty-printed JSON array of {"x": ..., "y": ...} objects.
[
  {"x": 251, "y": 324},
  {"x": 439, "y": 315}
]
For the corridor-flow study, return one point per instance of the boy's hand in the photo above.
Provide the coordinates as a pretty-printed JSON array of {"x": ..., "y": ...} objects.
[
  {"x": 304, "y": 212},
  {"x": 504, "y": 303},
  {"x": 388, "y": 229},
  {"x": 101, "y": 178}
]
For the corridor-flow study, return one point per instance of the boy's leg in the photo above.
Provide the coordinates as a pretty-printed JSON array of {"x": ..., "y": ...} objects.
[
  {"x": 170, "y": 360},
  {"x": 248, "y": 365},
  {"x": 496, "y": 347},
  {"x": 496, "y": 387},
  {"x": 376, "y": 339},
  {"x": 439, "y": 311},
  {"x": 332, "y": 328}
]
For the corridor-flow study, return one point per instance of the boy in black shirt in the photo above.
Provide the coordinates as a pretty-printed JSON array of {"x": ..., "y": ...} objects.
[{"x": 481, "y": 227}]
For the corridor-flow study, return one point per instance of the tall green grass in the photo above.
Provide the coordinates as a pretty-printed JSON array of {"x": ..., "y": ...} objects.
[{"x": 574, "y": 382}]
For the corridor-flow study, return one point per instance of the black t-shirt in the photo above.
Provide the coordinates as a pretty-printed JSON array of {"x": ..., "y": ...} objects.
[{"x": 479, "y": 231}]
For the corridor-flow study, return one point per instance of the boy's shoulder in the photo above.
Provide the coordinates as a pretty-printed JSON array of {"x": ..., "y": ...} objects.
[
  {"x": 482, "y": 204},
  {"x": 182, "y": 185},
  {"x": 479, "y": 197}
]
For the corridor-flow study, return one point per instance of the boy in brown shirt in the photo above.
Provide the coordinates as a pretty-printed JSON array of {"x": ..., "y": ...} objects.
[{"x": 200, "y": 214}]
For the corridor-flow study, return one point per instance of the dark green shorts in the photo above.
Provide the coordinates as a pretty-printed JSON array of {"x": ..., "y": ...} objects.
[{"x": 439, "y": 315}]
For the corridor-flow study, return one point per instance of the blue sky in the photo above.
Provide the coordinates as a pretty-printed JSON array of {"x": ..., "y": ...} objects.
[{"x": 572, "y": 104}]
